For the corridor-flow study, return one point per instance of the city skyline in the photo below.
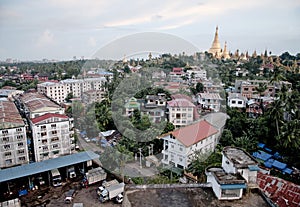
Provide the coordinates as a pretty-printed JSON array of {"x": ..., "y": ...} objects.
[{"x": 53, "y": 29}]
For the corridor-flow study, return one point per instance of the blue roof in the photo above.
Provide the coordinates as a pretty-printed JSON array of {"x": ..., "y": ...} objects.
[
  {"x": 262, "y": 155},
  {"x": 233, "y": 186},
  {"x": 268, "y": 149},
  {"x": 279, "y": 165},
  {"x": 38, "y": 167}
]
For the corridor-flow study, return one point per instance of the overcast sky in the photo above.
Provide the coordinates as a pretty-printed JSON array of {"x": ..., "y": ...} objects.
[{"x": 61, "y": 29}]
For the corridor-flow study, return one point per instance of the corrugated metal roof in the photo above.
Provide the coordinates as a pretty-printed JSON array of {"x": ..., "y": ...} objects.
[{"x": 38, "y": 167}]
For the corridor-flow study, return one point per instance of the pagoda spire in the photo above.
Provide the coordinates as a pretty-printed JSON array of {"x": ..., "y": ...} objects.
[
  {"x": 216, "y": 47},
  {"x": 225, "y": 54}
]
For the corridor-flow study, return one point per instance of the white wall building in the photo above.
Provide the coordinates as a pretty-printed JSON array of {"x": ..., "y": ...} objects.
[
  {"x": 181, "y": 112},
  {"x": 226, "y": 186},
  {"x": 181, "y": 144},
  {"x": 196, "y": 74},
  {"x": 52, "y": 136},
  {"x": 210, "y": 101},
  {"x": 236, "y": 100},
  {"x": 59, "y": 91},
  {"x": 236, "y": 160},
  {"x": 13, "y": 140}
]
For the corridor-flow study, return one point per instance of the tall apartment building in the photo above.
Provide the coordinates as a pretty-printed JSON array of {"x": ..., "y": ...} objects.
[
  {"x": 51, "y": 130},
  {"x": 59, "y": 91},
  {"x": 13, "y": 140},
  {"x": 52, "y": 136}
]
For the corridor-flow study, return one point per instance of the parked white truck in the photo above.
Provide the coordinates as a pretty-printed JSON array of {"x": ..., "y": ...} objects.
[
  {"x": 106, "y": 184},
  {"x": 93, "y": 176},
  {"x": 56, "y": 178},
  {"x": 113, "y": 192},
  {"x": 71, "y": 172}
]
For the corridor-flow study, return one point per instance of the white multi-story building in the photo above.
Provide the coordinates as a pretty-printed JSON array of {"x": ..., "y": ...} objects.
[
  {"x": 226, "y": 186},
  {"x": 209, "y": 101},
  {"x": 196, "y": 74},
  {"x": 59, "y": 91},
  {"x": 13, "y": 140},
  {"x": 52, "y": 131},
  {"x": 52, "y": 136},
  {"x": 236, "y": 160},
  {"x": 181, "y": 112},
  {"x": 181, "y": 144},
  {"x": 236, "y": 100}
]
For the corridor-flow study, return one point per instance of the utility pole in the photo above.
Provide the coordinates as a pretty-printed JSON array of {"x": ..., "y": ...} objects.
[{"x": 140, "y": 150}]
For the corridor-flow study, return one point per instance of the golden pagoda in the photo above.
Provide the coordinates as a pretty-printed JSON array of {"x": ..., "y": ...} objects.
[
  {"x": 225, "y": 54},
  {"x": 215, "y": 49}
]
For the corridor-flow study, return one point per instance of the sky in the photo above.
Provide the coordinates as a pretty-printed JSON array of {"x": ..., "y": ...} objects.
[{"x": 61, "y": 29}]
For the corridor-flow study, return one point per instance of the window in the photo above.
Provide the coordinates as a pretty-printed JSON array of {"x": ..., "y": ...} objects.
[
  {"x": 54, "y": 132},
  {"x": 270, "y": 89},
  {"x": 190, "y": 109},
  {"x": 53, "y": 125},
  {"x": 22, "y": 158},
  {"x": 9, "y": 161},
  {"x": 44, "y": 141},
  {"x": 5, "y": 139},
  {"x": 233, "y": 102},
  {"x": 45, "y": 148},
  {"x": 20, "y": 144},
  {"x": 246, "y": 89},
  {"x": 43, "y": 127},
  {"x": 180, "y": 149},
  {"x": 19, "y": 129},
  {"x": 55, "y": 146},
  {"x": 7, "y": 154},
  {"x": 7, "y": 146},
  {"x": 5, "y": 132},
  {"x": 19, "y": 137},
  {"x": 43, "y": 134},
  {"x": 54, "y": 139},
  {"x": 56, "y": 152},
  {"x": 22, "y": 151},
  {"x": 240, "y": 102},
  {"x": 172, "y": 146}
]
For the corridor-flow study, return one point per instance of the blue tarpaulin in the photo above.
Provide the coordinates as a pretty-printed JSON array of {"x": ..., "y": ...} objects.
[
  {"x": 269, "y": 163},
  {"x": 277, "y": 155},
  {"x": 261, "y": 155},
  {"x": 268, "y": 149},
  {"x": 279, "y": 165},
  {"x": 261, "y": 145},
  {"x": 287, "y": 171}
]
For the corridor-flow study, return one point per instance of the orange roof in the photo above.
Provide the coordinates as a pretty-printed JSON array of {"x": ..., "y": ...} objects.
[{"x": 194, "y": 133}]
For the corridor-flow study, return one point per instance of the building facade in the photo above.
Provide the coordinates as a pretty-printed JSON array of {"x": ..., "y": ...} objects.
[
  {"x": 181, "y": 144},
  {"x": 52, "y": 136},
  {"x": 51, "y": 130},
  {"x": 181, "y": 112},
  {"x": 59, "y": 91},
  {"x": 209, "y": 101},
  {"x": 236, "y": 100},
  {"x": 236, "y": 160},
  {"x": 13, "y": 139}
]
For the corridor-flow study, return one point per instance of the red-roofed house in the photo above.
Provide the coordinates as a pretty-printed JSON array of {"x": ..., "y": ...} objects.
[
  {"x": 283, "y": 193},
  {"x": 180, "y": 145},
  {"x": 181, "y": 111},
  {"x": 52, "y": 136}
]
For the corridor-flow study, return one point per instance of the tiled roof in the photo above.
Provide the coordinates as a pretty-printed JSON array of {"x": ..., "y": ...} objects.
[
  {"x": 281, "y": 192},
  {"x": 48, "y": 116},
  {"x": 210, "y": 96},
  {"x": 35, "y": 101},
  {"x": 180, "y": 102},
  {"x": 9, "y": 115},
  {"x": 194, "y": 133}
]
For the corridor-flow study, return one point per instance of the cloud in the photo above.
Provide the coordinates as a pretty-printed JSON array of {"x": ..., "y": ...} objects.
[
  {"x": 92, "y": 42},
  {"x": 46, "y": 39}
]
